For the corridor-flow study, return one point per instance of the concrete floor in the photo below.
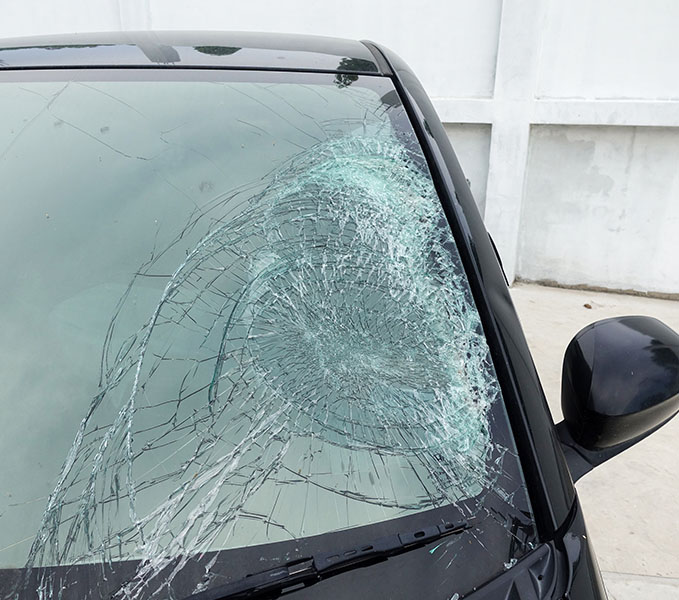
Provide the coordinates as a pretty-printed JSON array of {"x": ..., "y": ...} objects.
[{"x": 631, "y": 503}]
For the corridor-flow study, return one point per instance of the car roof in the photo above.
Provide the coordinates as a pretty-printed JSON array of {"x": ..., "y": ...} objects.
[{"x": 189, "y": 49}]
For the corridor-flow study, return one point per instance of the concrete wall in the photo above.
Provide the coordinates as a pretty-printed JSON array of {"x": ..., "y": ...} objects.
[
  {"x": 603, "y": 203},
  {"x": 564, "y": 113}
]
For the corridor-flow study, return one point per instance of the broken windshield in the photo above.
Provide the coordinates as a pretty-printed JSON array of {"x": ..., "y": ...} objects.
[{"x": 234, "y": 318}]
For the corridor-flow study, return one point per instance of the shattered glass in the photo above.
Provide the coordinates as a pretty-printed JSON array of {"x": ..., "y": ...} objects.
[{"x": 256, "y": 326}]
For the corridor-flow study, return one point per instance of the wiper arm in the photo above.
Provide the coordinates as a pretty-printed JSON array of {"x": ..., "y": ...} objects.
[{"x": 309, "y": 570}]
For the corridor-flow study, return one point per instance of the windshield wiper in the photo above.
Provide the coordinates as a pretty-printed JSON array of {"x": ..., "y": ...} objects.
[{"x": 309, "y": 570}]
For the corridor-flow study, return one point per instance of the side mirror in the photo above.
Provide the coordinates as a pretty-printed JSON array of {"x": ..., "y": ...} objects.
[{"x": 620, "y": 382}]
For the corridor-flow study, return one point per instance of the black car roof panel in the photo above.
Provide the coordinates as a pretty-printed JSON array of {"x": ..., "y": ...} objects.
[{"x": 189, "y": 49}]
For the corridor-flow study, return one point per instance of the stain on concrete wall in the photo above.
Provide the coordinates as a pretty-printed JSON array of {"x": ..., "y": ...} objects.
[{"x": 601, "y": 207}]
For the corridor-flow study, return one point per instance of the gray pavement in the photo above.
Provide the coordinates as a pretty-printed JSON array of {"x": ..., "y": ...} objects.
[{"x": 631, "y": 503}]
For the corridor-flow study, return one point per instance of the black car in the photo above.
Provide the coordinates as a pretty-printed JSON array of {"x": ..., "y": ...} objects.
[{"x": 256, "y": 340}]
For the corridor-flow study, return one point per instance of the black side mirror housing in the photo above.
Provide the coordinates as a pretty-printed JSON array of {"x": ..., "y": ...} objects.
[{"x": 620, "y": 382}]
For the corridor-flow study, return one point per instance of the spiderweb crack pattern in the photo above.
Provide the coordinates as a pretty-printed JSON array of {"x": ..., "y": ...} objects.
[{"x": 321, "y": 338}]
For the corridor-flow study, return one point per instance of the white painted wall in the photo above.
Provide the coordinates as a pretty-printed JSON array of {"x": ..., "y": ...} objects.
[
  {"x": 564, "y": 113},
  {"x": 602, "y": 200},
  {"x": 610, "y": 49}
]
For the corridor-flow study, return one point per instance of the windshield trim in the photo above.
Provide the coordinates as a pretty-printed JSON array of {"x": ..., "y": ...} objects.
[{"x": 175, "y": 73}]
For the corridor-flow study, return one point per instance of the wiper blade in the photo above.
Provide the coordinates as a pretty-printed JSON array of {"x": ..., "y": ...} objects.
[{"x": 312, "y": 569}]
